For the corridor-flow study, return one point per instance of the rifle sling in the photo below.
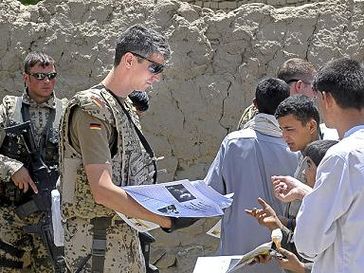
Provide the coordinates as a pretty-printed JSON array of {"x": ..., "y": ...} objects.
[
  {"x": 44, "y": 136},
  {"x": 100, "y": 224},
  {"x": 13, "y": 251}
]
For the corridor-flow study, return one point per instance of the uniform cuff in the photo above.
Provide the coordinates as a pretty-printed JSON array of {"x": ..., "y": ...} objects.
[{"x": 13, "y": 167}]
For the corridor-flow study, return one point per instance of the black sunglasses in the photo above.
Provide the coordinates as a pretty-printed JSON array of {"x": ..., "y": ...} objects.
[
  {"x": 41, "y": 76},
  {"x": 154, "y": 67}
]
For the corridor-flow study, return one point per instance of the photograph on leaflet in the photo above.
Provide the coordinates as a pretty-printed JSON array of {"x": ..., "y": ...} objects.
[{"x": 180, "y": 193}]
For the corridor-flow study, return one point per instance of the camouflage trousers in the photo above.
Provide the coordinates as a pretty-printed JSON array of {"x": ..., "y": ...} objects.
[
  {"x": 123, "y": 251},
  {"x": 35, "y": 257}
]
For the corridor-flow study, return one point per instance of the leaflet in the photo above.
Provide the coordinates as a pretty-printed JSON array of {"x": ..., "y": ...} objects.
[
  {"x": 248, "y": 258},
  {"x": 180, "y": 199},
  {"x": 231, "y": 264},
  {"x": 224, "y": 201}
]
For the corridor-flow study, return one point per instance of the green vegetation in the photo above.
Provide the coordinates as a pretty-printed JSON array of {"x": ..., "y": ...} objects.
[{"x": 29, "y": 2}]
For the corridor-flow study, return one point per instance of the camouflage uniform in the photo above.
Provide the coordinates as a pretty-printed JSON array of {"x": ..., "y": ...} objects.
[
  {"x": 100, "y": 111},
  {"x": 13, "y": 156},
  {"x": 247, "y": 115}
]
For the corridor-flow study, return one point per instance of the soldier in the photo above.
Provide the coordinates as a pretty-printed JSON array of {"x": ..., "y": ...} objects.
[
  {"x": 38, "y": 104},
  {"x": 102, "y": 148}
]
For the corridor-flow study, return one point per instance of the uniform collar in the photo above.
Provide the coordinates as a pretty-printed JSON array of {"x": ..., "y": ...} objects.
[{"x": 50, "y": 103}]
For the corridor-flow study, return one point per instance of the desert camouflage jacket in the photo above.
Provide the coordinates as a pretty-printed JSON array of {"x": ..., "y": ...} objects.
[
  {"x": 131, "y": 164},
  {"x": 12, "y": 148}
]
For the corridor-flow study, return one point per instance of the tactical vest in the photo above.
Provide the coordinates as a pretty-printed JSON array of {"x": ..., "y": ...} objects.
[
  {"x": 14, "y": 147},
  {"x": 131, "y": 163}
]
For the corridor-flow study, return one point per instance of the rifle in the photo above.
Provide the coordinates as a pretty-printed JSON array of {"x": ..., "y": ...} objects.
[{"x": 41, "y": 202}]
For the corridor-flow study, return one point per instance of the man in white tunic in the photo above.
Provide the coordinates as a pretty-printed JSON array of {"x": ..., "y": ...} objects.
[
  {"x": 244, "y": 165},
  {"x": 331, "y": 220}
]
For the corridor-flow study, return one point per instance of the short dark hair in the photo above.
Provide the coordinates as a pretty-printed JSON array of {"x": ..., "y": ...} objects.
[
  {"x": 316, "y": 150},
  {"x": 269, "y": 93},
  {"x": 140, "y": 100},
  {"x": 301, "y": 107},
  {"x": 344, "y": 79},
  {"x": 143, "y": 41},
  {"x": 296, "y": 69},
  {"x": 40, "y": 58}
]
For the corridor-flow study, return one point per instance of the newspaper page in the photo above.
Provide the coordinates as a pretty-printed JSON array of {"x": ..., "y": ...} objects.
[
  {"x": 180, "y": 199},
  {"x": 224, "y": 201}
]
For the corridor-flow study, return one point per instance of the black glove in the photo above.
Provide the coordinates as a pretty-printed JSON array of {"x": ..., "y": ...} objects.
[{"x": 181, "y": 222}]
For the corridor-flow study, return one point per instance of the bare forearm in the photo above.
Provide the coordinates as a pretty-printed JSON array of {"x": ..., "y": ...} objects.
[
  {"x": 303, "y": 191},
  {"x": 107, "y": 194},
  {"x": 117, "y": 199}
]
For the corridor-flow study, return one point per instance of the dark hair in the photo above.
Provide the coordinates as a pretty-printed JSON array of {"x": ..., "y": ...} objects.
[
  {"x": 344, "y": 79},
  {"x": 140, "y": 100},
  {"x": 142, "y": 41},
  {"x": 316, "y": 150},
  {"x": 301, "y": 107},
  {"x": 269, "y": 93},
  {"x": 34, "y": 58},
  {"x": 296, "y": 69}
]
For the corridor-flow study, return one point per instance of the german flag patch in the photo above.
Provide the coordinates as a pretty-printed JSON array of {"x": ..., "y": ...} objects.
[{"x": 95, "y": 126}]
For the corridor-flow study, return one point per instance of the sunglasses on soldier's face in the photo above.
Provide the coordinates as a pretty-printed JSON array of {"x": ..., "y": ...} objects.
[
  {"x": 154, "y": 67},
  {"x": 41, "y": 76}
]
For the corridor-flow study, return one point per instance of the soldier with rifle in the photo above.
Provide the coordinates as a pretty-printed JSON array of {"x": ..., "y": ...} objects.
[{"x": 29, "y": 170}]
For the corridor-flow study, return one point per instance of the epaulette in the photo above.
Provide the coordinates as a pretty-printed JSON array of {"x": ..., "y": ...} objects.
[
  {"x": 64, "y": 102},
  {"x": 92, "y": 102}
]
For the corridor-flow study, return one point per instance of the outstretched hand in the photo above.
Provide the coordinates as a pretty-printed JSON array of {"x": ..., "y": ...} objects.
[
  {"x": 23, "y": 181},
  {"x": 265, "y": 216},
  {"x": 288, "y": 188}
]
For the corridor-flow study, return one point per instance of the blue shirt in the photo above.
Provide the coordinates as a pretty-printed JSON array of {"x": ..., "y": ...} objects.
[{"x": 244, "y": 165}]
